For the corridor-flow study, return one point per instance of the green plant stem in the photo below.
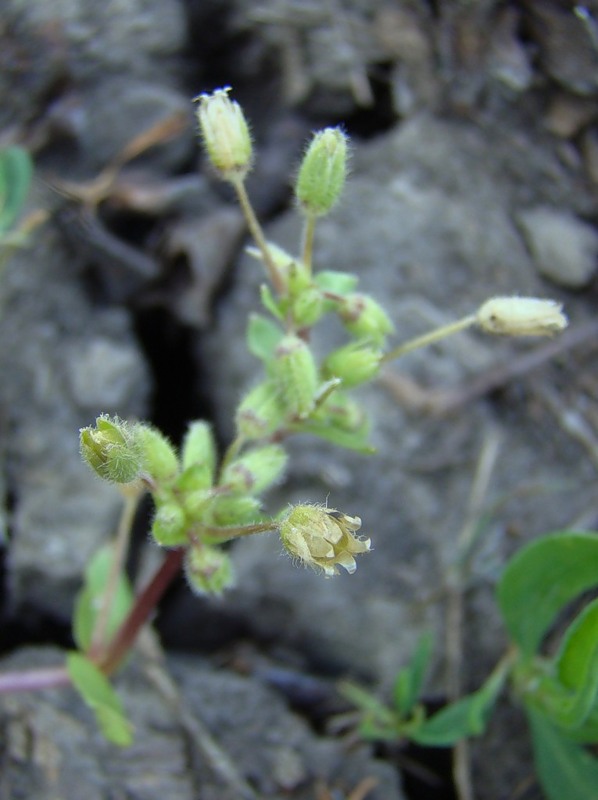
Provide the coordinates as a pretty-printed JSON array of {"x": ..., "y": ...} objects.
[
  {"x": 309, "y": 227},
  {"x": 145, "y": 603},
  {"x": 236, "y": 532},
  {"x": 258, "y": 235},
  {"x": 429, "y": 338},
  {"x": 121, "y": 543}
]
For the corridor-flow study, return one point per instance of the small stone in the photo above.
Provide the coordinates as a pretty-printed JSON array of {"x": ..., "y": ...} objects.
[{"x": 563, "y": 247}]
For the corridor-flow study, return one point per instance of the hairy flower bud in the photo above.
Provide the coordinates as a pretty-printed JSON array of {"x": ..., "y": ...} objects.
[
  {"x": 159, "y": 457},
  {"x": 208, "y": 569},
  {"x": 295, "y": 375},
  {"x": 225, "y": 134},
  {"x": 170, "y": 526},
  {"x": 365, "y": 318},
  {"x": 112, "y": 450},
  {"x": 255, "y": 471},
  {"x": 323, "y": 171},
  {"x": 260, "y": 412},
  {"x": 354, "y": 363},
  {"x": 521, "y": 316},
  {"x": 322, "y": 538},
  {"x": 199, "y": 447}
]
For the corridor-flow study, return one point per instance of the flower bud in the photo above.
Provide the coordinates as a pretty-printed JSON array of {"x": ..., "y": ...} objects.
[
  {"x": 208, "y": 569},
  {"x": 111, "y": 450},
  {"x": 354, "y": 363},
  {"x": 170, "y": 525},
  {"x": 158, "y": 455},
  {"x": 323, "y": 171},
  {"x": 199, "y": 447},
  {"x": 295, "y": 375},
  {"x": 364, "y": 318},
  {"x": 226, "y": 510},
  {"x": 255, "y": 471},
  {"x": 259, "y": 413},
  {"x": 322, "y": 538},
  {"x": 521, "y": 316},
  {"x": 225, "y": 134}
]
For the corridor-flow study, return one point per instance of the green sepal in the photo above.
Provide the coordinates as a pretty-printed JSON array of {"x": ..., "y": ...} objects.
[
  {"x": 226, "y": 510},
  {"x": 170, "y": 526},
  {"x": 90, "y": 598},
  {"x": 565, "y": 769},
  {"x": 199, "y": 448},
  {"x": 256, "y": 470},
  {"x": 159, "y": 457},
  {"x": 260, "y": 413},
  {"x": 336, "y": 283},
  {"x": 98, "y": 694},
  {"x": 263, "y": 336},
  {"x": 16, "y": 172},
  {"x": 544, "y": 576},
  {"x": 208, "y": 569}
]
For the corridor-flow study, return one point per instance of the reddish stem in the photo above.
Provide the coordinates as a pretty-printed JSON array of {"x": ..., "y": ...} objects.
[{"x": 145, "y": 603}]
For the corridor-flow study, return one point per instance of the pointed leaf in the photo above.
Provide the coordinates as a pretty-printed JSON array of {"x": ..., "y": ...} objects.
[
  {"x": 16, "y": 170},
  {"x": 566, "y": 771},
  {"x": 408, "y": 683},
  {"x": 262, "y": 337},
  {"x": 541, "y": 579},
  {"x": 340, "y": 283},
  {"x": 98, "y": 694},
  {"x": 466, "y": 717}
]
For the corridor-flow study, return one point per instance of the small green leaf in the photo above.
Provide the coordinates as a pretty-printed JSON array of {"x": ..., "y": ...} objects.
[
  {"x": 541, "y": 579},
  {"x": 270, "y": 303},
  {"x": 98, "y": 694},
  {"x": 408, "y": 683},
  {"x": 351, "y": 440},
  {"x": 16, "y": 170},
  {"x": 569, "y": 699},
  {"x": 565, "y": 770},
  {"x": 91, "y": 597},
  {"x": 466, "y": 717},
  {"x": 263, "y": 337},
  {"x": 340, "y": 283}
]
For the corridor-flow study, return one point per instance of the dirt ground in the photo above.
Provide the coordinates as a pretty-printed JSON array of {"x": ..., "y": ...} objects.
[{"x": 474, "y": 172}]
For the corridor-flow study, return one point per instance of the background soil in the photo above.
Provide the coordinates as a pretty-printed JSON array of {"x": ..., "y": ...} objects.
[{"x": 474, "y": 172}]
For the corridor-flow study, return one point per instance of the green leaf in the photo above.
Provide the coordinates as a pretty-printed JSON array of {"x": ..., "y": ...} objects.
[
  {"x": 541, "y": 579},
  {"x": 408, "y": 683},
  {"x": 340, "y": 283},
  {"x": 351, "y": 440},
  {"x": 377, "y": 721},
  {"x": 262, "y": 337},
  {"x": 16, "y": 170},
  {"x": 466, "y": 717},
  {"x": 90, "y": 599},
  {"x": 565, "y": 770},
  {"x": 570, "y": 699},
  {"x": 98, "y": 694},
  {"x": 269, "y": 302}
]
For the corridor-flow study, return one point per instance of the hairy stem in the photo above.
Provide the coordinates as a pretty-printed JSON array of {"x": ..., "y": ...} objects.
[
  {"x": 309, "y": 227},
  {"x": 145, "y": 604},
  {"x": 429, "y": 338},
  {"x": 258, "y": 235}
]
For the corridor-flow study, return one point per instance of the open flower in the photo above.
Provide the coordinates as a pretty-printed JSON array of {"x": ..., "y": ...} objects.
[{"x": 322, "y": 538}]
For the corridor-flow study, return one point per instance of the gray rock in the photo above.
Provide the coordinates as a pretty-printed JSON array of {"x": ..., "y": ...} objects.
[
  {"x": 62, "y": 363},
  {"x": 564, "y": 248}
]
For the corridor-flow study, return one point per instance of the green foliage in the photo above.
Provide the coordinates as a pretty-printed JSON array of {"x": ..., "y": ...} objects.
[
  {"x": 92, "y": 596},
  {"x": 16, "y": 172},
  {"x": 98, "y": 694},
  {"x": 559, "y": 693}
]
